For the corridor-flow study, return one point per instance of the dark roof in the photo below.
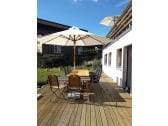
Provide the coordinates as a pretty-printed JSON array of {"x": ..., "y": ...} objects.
[{"x": 54, "y": 24}]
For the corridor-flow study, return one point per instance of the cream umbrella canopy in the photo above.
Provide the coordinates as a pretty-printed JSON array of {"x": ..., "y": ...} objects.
[
  {"x": 109, "y": 21},
  {"x": 73, "y": 37}
]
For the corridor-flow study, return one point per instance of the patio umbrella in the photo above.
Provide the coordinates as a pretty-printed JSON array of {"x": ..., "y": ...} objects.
[
  {"x": 109, "y": 21},
  {"x": 73, "y": 37}
]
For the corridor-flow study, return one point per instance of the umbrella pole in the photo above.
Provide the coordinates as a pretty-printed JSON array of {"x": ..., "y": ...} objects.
[{"x": 74, "y": 63}]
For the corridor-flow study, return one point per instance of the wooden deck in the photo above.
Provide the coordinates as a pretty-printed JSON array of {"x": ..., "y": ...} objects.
[{"x": 106, "y": 105}]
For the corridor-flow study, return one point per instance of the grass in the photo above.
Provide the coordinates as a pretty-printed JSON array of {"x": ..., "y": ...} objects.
[{"x": 43, "y": 73}]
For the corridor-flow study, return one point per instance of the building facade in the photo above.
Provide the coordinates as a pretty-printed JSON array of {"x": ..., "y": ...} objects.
[
  {"x": 117, "y": 55},
  {"x": 45, "y": 27}
]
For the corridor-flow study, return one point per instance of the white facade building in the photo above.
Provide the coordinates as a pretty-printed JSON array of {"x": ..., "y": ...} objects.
[{"x": 117, "y": 55}]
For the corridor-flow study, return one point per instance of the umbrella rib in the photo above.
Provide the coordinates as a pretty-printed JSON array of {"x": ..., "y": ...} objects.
[
  {"x": 57, "y": 37},
  {"x": 87, "y": 36},
  {"x": 66, "y": 42},
  {"x": 64, "y": 37},
  {"x": 51, "y": 39},
  {"x": 71, "y": 38},
  {"x": 97, "y": 40},
  {"x": 82, "y": 38}
]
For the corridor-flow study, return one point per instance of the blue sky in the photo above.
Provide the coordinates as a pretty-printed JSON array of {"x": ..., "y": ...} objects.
[{"x": 85, "y": 14}]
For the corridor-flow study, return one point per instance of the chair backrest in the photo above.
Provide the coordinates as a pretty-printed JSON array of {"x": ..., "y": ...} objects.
[
  {"x": 74, "y": 81},
  {"x": 69, "y": 68},
  {"x": 66, "y": 70},
  {"x": 99, "y": 73},
  {"x": 53, "y": 80},
  {"x": 97, "y": 70}
]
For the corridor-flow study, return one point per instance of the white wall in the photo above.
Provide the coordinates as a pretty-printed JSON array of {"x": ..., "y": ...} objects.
[{"x": 112, "y": 71}]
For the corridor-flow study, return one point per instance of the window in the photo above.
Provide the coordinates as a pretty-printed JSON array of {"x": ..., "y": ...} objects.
[
  {"x": 57, "y": 49},
  {"x": 119, "y": 57},
  {"x": 109, "y": 59},
  {"x": 105, "y": 59}
]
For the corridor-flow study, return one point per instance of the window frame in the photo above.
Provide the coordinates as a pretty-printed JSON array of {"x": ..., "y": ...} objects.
[
  {"x": 109, "y": 58},
  {"x": 119, "y": 58},
  {"x": 105, "y": 59}
]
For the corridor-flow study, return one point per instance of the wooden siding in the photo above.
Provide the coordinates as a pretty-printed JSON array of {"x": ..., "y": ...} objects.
[{"x": 123, "y": 23}]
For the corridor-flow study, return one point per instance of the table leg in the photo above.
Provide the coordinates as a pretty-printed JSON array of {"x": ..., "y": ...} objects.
[{"x": 87, "y": 86}]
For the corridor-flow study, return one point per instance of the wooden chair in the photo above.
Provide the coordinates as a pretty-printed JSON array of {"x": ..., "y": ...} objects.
[
  {"x": 74, "y": 83},
  {"x": 66, "y": 70},
  {"x": 96, "y": 76},
  {"x": 69, "y": 68},
  {"x": 55, "y": 86}
]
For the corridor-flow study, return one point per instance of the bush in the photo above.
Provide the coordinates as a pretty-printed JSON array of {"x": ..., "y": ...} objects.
[
  {"x": 55, "y": 61},
  {"x": 41, "y": 83},
  {"x": 96, "y": 63}
]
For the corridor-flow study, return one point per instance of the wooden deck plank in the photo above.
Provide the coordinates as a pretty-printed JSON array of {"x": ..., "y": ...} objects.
[
  {"x": 103, "y": 116},
  {"x": 58, "y": 116},
  {"x": 108, "y": 116},
  {"x": 93, "y": 116},
  {"x": 73, "y": 115},
  {"x": 45, "y": 98},
  {"x": 55, "y": 112},
  {"x": 101, "y": 100},
  {"x": 68, "y": 115},
  {"x": 97, "y": 102},
  {"x": 42, "y": 106},
  {"x": 88, "y": 115},
  {"x": 47, "y": 120},
  {"x": 124, "y": 112},
  {"x": 98, "y": 116},
  {"x": 63, "y": 116},
  {"x": 78, "y": 115},
  {"x": 112, "y": 108},
  {"x": 43, "y": 114},
  {"x": 83, "y": 116},
  {"x": 112, "y": 120}
]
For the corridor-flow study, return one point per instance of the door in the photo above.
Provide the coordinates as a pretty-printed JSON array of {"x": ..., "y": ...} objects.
[{"x": 127, "y": 68}]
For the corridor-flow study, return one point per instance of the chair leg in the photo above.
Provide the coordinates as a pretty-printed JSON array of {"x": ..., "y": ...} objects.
[
  {"x": 61, "y": 92},
  {"x": 54, "y": 92},
  {"x": 58, "y": 95}
]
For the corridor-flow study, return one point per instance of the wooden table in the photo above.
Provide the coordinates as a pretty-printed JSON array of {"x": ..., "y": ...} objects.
[
  {"x": 80, "y": 72},
  {"x": 84, "y": 75},
  {"x": 66, "y": 78}
]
